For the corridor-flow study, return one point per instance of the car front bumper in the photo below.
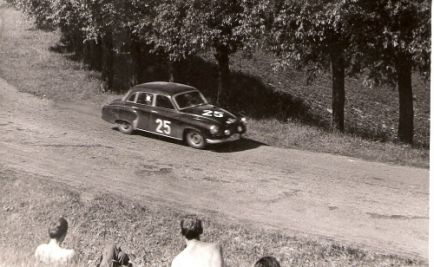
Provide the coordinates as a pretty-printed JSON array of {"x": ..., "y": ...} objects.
[{"x": 231, "y": 138}]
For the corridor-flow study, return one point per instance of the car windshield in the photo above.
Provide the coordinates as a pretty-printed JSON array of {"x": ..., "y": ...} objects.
[{"x": 190, "y": 99}]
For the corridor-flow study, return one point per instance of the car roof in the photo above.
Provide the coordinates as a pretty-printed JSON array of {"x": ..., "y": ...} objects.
[{"x": 164, "y": 88}]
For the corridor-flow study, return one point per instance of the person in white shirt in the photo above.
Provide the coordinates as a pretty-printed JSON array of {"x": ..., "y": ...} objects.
[
  {"x": 197, "y": 253},
  {"x": 52, "y": 253}
]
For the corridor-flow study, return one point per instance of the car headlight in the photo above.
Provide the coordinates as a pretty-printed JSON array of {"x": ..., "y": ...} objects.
[
  {"x": 213, "y": 129},
  {"x": 243, "y": 120}
]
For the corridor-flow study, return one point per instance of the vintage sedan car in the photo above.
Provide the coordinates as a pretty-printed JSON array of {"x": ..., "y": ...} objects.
[{"x": 176, "y": 111}]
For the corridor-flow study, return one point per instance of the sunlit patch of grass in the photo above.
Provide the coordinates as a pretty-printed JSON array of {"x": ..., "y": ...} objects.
[
  {"x": 301, "y": 136},
  {"x": 149, "y": 232},
  {"x": 28, "y": 63}
]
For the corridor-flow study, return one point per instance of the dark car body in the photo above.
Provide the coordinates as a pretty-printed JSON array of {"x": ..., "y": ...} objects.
[{"x": 174, "y": 110}]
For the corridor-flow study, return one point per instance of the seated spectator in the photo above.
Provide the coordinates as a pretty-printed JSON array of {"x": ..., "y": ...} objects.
[
  {"x": 267, "y": 262},
  {"x": 197, "y": 253},
  {"x": 113, "y": 256},
  {"x": 52, "y": 253}
]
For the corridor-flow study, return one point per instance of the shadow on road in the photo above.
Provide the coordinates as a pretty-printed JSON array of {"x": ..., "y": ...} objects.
[{"x": 235, "y": 146}]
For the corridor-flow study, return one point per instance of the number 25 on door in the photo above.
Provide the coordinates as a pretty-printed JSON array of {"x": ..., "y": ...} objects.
[{"x": 163, "y": 126}]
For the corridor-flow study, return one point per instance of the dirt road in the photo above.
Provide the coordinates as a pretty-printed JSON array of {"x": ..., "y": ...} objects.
[{"x": 372, "y": 205}]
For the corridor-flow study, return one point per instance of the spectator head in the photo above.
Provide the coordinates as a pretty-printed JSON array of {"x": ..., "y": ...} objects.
[
  {"x": 58, "y": 229},
  {"x": 191, "y": 227},
  {"x": 267, "y": 262}
]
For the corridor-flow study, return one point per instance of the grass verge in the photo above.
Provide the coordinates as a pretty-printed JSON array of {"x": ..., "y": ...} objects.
[
  {"x": 305, "y": 137},
  {"x": 28, "y": 63},
  {"x": 148, "y": 232}
]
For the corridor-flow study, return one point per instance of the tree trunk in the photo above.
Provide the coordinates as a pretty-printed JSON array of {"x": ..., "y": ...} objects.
[
  {"x": 78, "y": 45},
  {"x": 338, "y": 91},
  {"x": 87, "y": 53},
  {"x": 406, "y": 127},
  {"x": 107, "y": 61},
  {"x": 222, "y": 57},
  {"x": 171, "y": 66},
  {"x": 136, "y": 57},
  {"x": 96, "y": 54}
]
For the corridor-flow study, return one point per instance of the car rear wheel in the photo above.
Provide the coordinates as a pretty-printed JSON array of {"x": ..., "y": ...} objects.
[
  {"x": 195, "y": 139},
  {"x": 125, "y": 127}
]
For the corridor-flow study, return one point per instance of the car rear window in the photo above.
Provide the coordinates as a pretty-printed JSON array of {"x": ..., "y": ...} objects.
[{"x": 145, "y": 99}]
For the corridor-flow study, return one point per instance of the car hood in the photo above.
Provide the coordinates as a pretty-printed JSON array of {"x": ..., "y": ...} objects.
[{"x": 212, "y": 113}]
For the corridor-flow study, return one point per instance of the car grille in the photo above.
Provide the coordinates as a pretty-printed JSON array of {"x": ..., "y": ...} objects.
[{"x": 233, "y": 127}]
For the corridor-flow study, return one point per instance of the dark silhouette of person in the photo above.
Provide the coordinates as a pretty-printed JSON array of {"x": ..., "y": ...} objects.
[
  {"x": 113, "y": 256},
  {"x": 267, "y": 261}
]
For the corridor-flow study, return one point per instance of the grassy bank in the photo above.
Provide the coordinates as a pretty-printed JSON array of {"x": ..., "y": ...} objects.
[
  {"x": 300, "y": 136},
  {"x": 148, "y": 232},
  {"x": 28, "y": 62}
]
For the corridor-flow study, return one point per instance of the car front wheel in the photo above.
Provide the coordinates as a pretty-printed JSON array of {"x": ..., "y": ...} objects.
[
  {"x": 125, "y": 127},
  {"x": 195, "y": 139}
]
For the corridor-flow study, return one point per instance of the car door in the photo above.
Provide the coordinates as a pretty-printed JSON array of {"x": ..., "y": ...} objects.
[
  {"x": 164, "y": 118},
  {"x": 143, "y": 107}
]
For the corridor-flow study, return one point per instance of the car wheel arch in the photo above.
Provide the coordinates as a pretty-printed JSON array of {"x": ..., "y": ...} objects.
[{"x": 187, "y": 129}]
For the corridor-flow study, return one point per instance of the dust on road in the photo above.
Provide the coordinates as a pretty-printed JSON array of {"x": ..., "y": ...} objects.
[{"x": 366, "y": 204}]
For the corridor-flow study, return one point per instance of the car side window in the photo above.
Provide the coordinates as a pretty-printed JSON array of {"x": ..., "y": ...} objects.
[
  {"x": 132, "y": 98},
  {"x": 164, "y": 102},
  {"x": 145, "y": 99}
]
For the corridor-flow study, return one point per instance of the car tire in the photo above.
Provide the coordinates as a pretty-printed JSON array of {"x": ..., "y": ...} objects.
[
  {"x": 125, "y": 127},
  {"x": 195, "y": 139}
]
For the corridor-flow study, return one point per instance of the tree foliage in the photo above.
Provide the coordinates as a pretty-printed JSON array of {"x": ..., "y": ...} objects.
[
  {"x": 172, "y": 30},
  {"x": 394, "y": 29}
]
